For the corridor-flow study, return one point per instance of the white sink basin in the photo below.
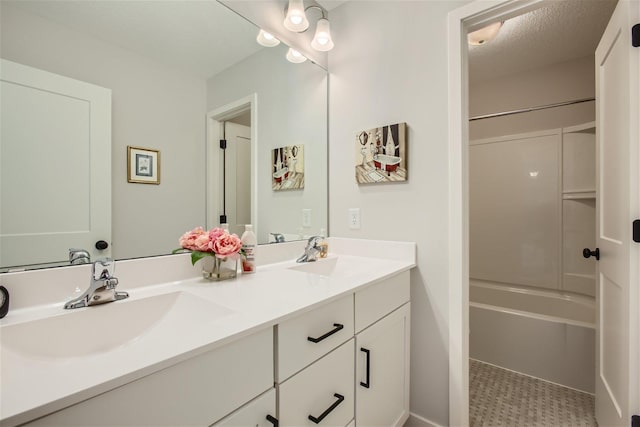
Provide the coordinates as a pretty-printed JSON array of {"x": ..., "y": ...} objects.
[{"x": 104, "y": 328}]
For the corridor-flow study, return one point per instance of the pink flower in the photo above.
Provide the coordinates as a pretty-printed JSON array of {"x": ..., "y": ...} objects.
[
  {"x": 214, "y": 233},
  {"x": 201, "y": 243},
  {"x": 227, "y": 245},
  {"x": 188, "y": 239}
]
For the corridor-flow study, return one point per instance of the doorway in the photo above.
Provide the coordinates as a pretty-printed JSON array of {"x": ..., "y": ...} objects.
[
  {"x": 231, "y": 165},
  {"x": 469, "y": 18}
]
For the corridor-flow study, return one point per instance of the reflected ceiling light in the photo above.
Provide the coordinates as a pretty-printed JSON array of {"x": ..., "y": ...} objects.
[
  {"x": 484, "y": 35},
  {"x": 267, "y": 39},
  {"x": 322, "y": 39},
  {"x": 296, "y": 19},
  {"x": 295, "y": 56}
]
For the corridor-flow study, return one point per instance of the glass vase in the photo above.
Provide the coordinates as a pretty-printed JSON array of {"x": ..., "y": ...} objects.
[{"x": 216, "y": 269}]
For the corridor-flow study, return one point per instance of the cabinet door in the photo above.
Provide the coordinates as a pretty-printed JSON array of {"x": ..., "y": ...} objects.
[
  {"x": 260, "y": 412},
  {"x": 382, "y": 371},
  {"x": 323, "y": 391}
]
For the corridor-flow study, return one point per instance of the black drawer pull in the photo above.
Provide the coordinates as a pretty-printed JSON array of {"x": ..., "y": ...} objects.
[
  {"x": 329, "y": 409},
  {"x": 272, "y": 420},
  {"x": 337, "y": 327},
  {"x": 367, "y": 383}
]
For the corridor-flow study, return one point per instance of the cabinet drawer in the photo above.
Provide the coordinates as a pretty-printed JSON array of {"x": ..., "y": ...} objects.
[
  {"x": 198, "y": 391},
  {"x": 378, "y": 300},
  {"x": 328, "y": 326},
  {"x": 254, "y": 413},
  {"x": 326, "y": 387}
]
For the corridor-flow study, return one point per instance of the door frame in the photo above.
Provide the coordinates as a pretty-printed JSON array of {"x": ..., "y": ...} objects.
[
  {"x": 468, "y": 18},
  {"x": 215, "y": 118}
]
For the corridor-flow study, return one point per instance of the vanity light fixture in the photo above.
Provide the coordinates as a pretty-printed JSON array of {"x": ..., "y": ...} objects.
[
  {"x": 484, "y": 35},
  {"x": 296, "y": 21},
  {"x": 267, "y": 39},
  {"x": 295, "y": 56}
]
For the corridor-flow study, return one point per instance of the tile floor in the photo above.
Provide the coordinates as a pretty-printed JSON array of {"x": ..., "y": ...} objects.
[{"x": 499, "y": 397}]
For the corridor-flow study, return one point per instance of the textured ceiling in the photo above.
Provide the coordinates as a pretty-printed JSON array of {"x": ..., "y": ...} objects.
[{"x": 560, "y": 31}]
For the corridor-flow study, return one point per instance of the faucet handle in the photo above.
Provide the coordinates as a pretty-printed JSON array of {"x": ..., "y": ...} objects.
[{"x": 103, "y": 269}]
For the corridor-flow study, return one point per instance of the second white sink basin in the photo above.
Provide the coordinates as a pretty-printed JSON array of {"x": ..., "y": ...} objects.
[{"x": 104, "y": 328}]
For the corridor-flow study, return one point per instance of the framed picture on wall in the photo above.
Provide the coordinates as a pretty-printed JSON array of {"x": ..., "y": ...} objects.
[
  {"x": 287, "y": 167},
  {"x": 143, "y": 165},
  {"x": 381, "y": 154}
]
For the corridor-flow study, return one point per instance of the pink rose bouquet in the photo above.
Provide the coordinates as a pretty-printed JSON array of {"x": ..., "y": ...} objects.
[{"x": 215, "y": 242}]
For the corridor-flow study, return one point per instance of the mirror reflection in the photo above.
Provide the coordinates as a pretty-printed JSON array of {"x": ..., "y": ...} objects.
[{"x": 169, "y": 66}]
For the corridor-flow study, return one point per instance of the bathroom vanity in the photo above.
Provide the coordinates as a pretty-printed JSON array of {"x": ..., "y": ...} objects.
[{"x": 323, "y": 343}]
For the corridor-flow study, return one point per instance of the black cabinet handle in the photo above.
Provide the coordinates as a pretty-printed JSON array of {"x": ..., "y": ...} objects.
[
  {"x": 273, "y": 420},
  {"x": 367, "y": 383},
  {"x": 101, "y": 245},
  {"x": 337, "y": 327},
  {"x": 586, "y": 252},
  {"x": 329, "y": 409}
]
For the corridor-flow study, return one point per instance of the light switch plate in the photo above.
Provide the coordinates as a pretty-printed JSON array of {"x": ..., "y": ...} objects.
[
  {"x": 354, "y": 218},
  {"x": 306, "y": 218}
]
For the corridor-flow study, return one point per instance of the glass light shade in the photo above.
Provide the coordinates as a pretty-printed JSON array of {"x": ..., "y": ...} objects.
[
  {"x": 484, "y": 35},
  {"x": 296, "y": 20},
  {"x": 322, "y": 39},
  {"x": 267, "y": 39},
  {"x": 295, "y": 56}
]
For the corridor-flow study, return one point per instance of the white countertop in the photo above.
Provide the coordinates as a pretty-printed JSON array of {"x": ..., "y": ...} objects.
[{"x": 33, "y": 385}]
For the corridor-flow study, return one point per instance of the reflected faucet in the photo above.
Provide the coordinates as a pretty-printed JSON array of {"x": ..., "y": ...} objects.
[
  {"x": 102, "y": 288},
  {"x": 79, "y": 256},
  {"x": 279, "y": 238},
  {"x": 311, "y": 251}
]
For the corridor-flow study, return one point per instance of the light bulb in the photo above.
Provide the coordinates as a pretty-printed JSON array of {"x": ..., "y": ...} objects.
[
  {"x": 267, "y": 39},
  {"x": 322, "y": 39},
  {"x": 296, "y": 19},
  {"x": 484, "y": 35},
  {"x": 295, "y": 56}
]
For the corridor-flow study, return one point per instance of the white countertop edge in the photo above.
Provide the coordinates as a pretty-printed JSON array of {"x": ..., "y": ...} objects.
[{"x": 244, "y": 328}]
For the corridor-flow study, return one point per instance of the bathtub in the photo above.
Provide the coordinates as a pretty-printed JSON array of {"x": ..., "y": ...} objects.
[
  {"x": 281, "y": 174},
  {"x": 545, "y": 334},
  {"x": 387, "y": 163}
]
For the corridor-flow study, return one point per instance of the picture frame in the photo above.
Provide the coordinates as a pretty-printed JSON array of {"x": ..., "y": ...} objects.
[
  {"x": 381, "y": 154},
  {"x": 287, "y": 168},
  {"x": 143, "y": 165}
]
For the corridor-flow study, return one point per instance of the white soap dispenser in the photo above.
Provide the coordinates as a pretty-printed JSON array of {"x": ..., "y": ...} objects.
[{"x": 249, "y": 242}]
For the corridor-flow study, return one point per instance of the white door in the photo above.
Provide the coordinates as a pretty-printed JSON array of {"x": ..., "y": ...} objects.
[
  {"x": 618, "y": 187},
  {"x": 382, "y": 371},
  {"x": 238, "y": 177},
  {"x": 55, "y": 171}
]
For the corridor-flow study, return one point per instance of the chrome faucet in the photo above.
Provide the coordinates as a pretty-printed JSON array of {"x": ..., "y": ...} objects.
[
  {"x": 102, "y": 288},
  {"x": 311, "y": 251},
  {"x": 79, "y": 256},
  {"x": 278, "y": 237}
]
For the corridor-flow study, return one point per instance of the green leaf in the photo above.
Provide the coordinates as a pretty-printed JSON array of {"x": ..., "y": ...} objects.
[{"x": 197, "y": 256}]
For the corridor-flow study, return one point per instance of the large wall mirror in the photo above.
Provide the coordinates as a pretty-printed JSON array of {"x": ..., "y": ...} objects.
[{"x": 171, "y": 67}]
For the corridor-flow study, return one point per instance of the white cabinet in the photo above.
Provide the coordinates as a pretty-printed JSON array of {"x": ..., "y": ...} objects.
[
  {"x": 260, "y": 412},
  {"x": 382, "y": 316},
  {"x": 382, "y": 371},
  {"x": 198, "y": 391},
  {"x": 306, "y": 338},
  {"x": 323, "y": 389},
  {"x": 321, "y": 394}
]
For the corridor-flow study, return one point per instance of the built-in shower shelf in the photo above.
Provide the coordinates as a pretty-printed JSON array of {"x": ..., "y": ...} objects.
[{"x": 576, "y": 195}]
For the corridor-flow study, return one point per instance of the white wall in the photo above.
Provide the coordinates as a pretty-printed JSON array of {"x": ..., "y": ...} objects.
[
  {"x": 292, "y": 109},
  {"x": 560, "y": 82},
  {"x": 152, "y": 106},
  {"x": 390, "y": 65}
]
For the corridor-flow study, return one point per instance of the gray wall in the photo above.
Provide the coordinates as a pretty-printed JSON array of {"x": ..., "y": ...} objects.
[
  {"x": 153, "y": 106},
  {"x": 560, "y": 82},
  {"x": 292, "y": 109},
  {"x": 390, "y": 65}
]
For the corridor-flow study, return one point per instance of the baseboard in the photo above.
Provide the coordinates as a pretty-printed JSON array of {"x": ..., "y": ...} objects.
[{"x": 418, "y": 421}]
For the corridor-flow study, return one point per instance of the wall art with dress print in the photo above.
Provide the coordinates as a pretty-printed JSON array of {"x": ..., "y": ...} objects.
[
  {"x": 287, "y": 168},
  {"x": 381, "y": 154}
]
